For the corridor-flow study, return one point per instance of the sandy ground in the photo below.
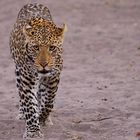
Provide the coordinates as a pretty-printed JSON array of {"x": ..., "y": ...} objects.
[{"x": 99, "y": 93}]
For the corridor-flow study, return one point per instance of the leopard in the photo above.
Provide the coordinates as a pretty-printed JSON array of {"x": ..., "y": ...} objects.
[{"x": 36, "y": 46}]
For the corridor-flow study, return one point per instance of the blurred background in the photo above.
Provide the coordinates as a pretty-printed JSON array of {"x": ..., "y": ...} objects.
[{"x": 98, "y": 96}]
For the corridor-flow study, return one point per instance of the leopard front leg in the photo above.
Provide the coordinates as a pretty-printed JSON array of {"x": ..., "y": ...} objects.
[
  {"x": 29, "y": 104},
  {"x": 47, "y": 90}
]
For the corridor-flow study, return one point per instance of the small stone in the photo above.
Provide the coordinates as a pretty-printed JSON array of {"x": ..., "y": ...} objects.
[
  {"x": 99, "y": 88},
  {"x": 104, "y": 99}
]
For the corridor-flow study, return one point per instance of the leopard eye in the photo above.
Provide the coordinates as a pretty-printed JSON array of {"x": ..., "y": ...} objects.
[
  {"x": 36, "y": 47},
  {"x": 32, "y": 33},
  {"x": 52, "y": 48}
]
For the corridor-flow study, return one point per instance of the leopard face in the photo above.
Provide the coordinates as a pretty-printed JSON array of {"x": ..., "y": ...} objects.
[{"x": 44, "y": 44}]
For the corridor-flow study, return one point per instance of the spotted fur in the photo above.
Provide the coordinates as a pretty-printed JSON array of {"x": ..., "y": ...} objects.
[{"x": 36, "y": 48}]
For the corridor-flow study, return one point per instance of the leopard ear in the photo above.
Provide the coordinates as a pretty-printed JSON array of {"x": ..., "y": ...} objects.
[
  {"x": 62, "y": 30},
  {"x": 65, "y": 28},
  {"x": 27, "y": 30}
]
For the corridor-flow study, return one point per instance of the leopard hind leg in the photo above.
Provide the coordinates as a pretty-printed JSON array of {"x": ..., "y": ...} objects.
[{"x": 20, "y": 116}]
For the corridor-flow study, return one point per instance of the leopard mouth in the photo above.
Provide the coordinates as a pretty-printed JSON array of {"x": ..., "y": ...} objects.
[{"x": 44, "y": 71}]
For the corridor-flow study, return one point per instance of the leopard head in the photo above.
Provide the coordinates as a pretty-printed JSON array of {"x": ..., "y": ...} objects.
[{"x": 44, "y": 44}]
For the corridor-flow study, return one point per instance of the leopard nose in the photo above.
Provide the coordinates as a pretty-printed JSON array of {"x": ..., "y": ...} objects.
[{"x": 43, "y": 64}]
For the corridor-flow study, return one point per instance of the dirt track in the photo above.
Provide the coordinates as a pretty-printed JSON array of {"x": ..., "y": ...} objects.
[{"x": 99, "y": 93}]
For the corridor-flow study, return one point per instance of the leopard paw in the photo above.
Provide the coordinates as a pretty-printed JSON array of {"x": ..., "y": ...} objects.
[
  {"x": 27, "y": 135},
  {"x": 49, "y": 121},
  {"x": 20, "y": 116}
]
